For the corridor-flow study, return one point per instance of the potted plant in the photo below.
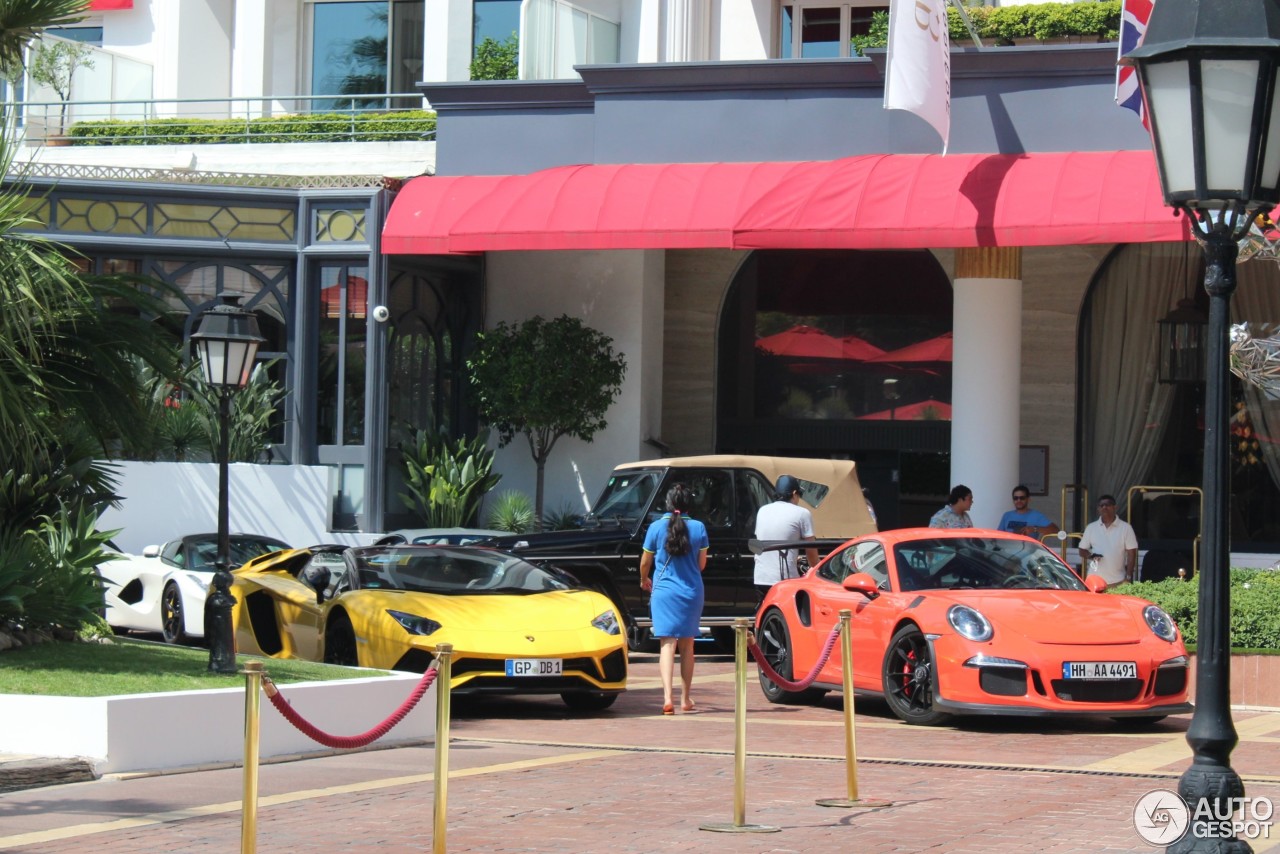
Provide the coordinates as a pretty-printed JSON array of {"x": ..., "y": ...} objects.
[{"x": 54, "y": 64}]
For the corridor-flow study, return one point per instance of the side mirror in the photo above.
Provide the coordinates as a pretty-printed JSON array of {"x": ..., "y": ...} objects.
[
  {"x": 317, "y": 578},
  {"x": 151, "y": 551},
  {"x": 861, "y": 582},
  {"x": 1096, "y": 583}
]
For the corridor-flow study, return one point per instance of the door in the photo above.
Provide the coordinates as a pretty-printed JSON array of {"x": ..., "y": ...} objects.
[{"x": 868, "y": 615}]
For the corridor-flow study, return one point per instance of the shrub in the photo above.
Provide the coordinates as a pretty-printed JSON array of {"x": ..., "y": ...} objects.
[
  {"x": 562, "y": 518},
  {"x": 447, "y": 480},
  {"x": 404, "y": 125},
  {"x": 1001, "y": 25},
  {"x": 512, "y": 511},
  {"x": 1255, "y": 606}
]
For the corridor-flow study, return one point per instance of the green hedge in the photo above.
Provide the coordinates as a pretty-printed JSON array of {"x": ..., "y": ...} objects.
[
  {"x": 1000, "y": 25},
  {"x": 408, "y": 125},
  {"x": 1255, "y": 606}
]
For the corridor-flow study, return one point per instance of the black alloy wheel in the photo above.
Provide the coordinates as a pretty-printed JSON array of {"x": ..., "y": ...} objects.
[
  {"x": 589, "y": 701},
  {"x": 908, "y": 678},
  {"x": 774, "y": 640},
  {"x": 172, "y": 616},
  {"x": 340, "y": 642}
]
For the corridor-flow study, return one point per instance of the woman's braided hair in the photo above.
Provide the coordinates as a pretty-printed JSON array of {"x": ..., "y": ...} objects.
[{"x": 679, "y": 500}]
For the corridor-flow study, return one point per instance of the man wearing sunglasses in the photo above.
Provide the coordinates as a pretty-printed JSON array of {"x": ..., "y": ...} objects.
[
  {"x": 1111, "y": 540},
  {"x": 1022, "y": 519}
]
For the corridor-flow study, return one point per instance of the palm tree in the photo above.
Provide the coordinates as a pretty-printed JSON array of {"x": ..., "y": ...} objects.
[
  {"x": 68, "y": 384},
  {"x": 22, "y": 20}
]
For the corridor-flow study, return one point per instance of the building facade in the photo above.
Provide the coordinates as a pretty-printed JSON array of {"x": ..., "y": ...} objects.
[{"x": 976, "y": 337}]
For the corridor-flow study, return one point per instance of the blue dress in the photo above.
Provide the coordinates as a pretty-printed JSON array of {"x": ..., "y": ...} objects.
[{"x": 676, "y": 601}]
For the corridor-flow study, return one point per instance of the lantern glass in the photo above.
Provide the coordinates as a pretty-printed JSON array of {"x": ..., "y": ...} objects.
[
  {"x": 227, "y": 362},
  {"x": 1228, "y": 89},
  {"x": 1271, "y": 156},
  {"x": 1167, "y": 86}
]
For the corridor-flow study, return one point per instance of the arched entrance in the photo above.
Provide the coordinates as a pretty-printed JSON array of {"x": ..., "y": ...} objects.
[
  {"x": 843, "y": 354},
  {"x": 1137, "y": 427}
]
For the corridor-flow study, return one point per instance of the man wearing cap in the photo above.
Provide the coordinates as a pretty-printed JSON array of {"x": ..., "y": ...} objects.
[{"x": 783, "y": 520}]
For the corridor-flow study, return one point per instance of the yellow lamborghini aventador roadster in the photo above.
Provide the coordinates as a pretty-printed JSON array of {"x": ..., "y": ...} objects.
[{"x": 515, "y": 627}]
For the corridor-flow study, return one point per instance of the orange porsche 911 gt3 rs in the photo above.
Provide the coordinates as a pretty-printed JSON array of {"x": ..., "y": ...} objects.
[{"x": 972, "y": 621}]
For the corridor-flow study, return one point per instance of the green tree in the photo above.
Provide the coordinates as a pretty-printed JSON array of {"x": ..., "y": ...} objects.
[
  {"x": 54, "y": 64},
  {"x": 545, "y": 379},
  {"x": 68, "y": 385},
  {"x": 496, "y": 60}
]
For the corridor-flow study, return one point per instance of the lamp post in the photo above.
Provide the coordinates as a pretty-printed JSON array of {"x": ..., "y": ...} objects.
[
  {"x": 1207, "y": 70},
  {"x": 228, "y": 341}
]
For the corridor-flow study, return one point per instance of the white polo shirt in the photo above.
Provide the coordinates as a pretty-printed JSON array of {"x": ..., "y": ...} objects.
[{"x": 1111, "y": 545}]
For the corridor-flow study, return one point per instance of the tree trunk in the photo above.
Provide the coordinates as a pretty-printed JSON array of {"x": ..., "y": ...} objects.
[{"x": 541, "y": 464}]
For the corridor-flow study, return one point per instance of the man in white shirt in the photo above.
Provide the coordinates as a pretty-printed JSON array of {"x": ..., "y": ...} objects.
[
  {"x": 782, "y": 520},
  {"x": 1111, "y": 540}
]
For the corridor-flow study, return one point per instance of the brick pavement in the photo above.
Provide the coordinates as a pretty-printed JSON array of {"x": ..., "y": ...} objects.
[{"x": 528, "y": 776}]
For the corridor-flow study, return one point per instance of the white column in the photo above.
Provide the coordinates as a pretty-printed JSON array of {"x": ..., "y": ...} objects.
[
  {"x": 986, "y": 378},
  {"x": 685, "y": 30},
  {"x": 250, "y": 56}
]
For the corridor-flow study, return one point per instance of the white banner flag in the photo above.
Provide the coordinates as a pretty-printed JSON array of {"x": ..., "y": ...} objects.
[{"x": 918, "y": 65}]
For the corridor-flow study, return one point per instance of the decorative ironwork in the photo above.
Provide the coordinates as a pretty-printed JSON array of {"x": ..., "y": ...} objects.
[
  {"x": 102, "y": 216},
  {"x": 223, "y": 221},
  {"x": 130, "y": 174},
  {"x": 1255, "y": 356},
  {"x": 340, "y": 225}
]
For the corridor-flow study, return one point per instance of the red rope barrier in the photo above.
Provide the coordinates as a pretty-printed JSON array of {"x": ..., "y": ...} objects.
[
  {"x": 786, "y": 684},
  {"x": 347, "y": 741}
]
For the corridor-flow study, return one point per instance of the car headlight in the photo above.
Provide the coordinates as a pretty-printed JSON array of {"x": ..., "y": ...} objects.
[
  {"x": 969, "y": 623},
  {"x": 607, "y": 623},
  {"x": 413, "y": 624},
  {"x": 1160, "y": 623}
]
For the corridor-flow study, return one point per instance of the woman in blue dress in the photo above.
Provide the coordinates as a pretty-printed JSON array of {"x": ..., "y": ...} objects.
[{"x": 677, "y": 546}]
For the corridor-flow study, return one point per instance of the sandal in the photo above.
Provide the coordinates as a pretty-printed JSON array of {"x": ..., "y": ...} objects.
[
  {"x": 686, "y": 706},
  {"x": 668, "y": 709}
]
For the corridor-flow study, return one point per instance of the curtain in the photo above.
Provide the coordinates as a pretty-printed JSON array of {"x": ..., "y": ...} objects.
[
  {"x": 1257, "y": 302},
  {"x": 1126, "y": 408}
]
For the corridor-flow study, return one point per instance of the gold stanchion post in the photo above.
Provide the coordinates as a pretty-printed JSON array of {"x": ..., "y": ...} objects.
[
  {"x": 444, "y": 681},
  {"x": 253, "y": 673},
  {"x": 850, "y": 752},
  {"x": 739, "y": 824}
]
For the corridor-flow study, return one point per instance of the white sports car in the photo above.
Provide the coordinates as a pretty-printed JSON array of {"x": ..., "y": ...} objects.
[{"x": 164, "y": 589}]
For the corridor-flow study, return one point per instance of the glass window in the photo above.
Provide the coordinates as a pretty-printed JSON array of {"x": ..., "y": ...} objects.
[
  {"x": 821, "y": 29},
  {"x": 348, "y": 50},
  {"x": 365, "y": 47},
  {"x": 859, "y": 352},
  {"x": 340, "y": 371},
  {"x": 867, "y": 556},
  {"x": 557, "y": 35},
  {"x": 495, "y": 19}
]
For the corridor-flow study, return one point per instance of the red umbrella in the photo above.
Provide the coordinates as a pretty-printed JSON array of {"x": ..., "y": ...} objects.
[
  {"x": 803, "y": 342},
  {"x": 856, "y": 348},
  {"x": 924, "y": 410},
  {"x": 931, "y": 350}
]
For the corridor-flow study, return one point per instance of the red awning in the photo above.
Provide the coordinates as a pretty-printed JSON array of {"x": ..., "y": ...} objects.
[
  {"x": 109, "y": 5},
  {"x": 901, "y": 201}
]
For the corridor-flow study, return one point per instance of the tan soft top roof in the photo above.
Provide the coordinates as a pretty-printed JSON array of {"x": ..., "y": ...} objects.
[{"x": 843, "y": 512}]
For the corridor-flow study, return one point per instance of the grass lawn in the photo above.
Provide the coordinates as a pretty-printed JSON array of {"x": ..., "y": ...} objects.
[{"x": 130, "y": 666}]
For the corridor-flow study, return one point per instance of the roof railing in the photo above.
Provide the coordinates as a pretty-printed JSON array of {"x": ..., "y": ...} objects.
[{"x": 189, "y": 121}]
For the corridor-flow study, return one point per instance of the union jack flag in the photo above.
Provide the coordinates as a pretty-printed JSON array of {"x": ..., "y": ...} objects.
[{"x": 1133, "y": 26}]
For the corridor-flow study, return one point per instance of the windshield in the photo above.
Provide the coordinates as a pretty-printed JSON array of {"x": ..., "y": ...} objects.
[
  {"x": 981, "y": 563},
  {"x": 626, "y": 497},
  {"x": 240, "y": 550},
  {"x": 435, "y": 569}
]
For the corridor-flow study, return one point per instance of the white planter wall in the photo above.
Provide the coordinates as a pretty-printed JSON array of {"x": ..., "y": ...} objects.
[{"x": 147, "y": 732}]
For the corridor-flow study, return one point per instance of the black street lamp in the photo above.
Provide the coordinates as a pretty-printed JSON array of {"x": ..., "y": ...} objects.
[
  {"x": 228, "y": 341},
  {"x": 1207, "y": 69}
]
